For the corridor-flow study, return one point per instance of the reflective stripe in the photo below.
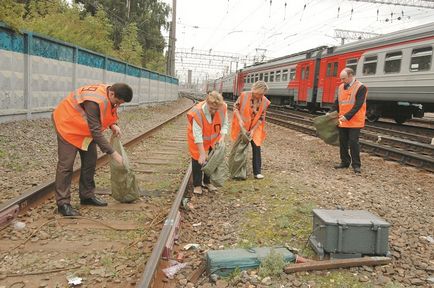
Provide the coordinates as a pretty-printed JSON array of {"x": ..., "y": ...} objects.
[
  {"x": 82, "y": 96},
  {"x": 210, "y": 138},
  {"x": 199, "y": 115},
  {"x": 244, "y": 100}
]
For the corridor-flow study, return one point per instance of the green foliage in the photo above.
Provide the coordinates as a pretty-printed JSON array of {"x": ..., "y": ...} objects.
[
  {"x": 154, "y": 60},
  {"x": 130, "y": 49},
  {"x": 11, "y": 13},
  {"x": 149, "y": 17},
  {"x": 107, "y": 26},
  {"x": 67, "y": 23},
  {"x": 272, "y": 265}
]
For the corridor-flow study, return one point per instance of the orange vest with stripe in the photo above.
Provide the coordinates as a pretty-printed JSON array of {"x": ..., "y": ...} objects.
[
  {"x": 70, "y": 118},
  {"x": 347, "y": 100},
  {"x": 245, "y": 112},
  {"x": 210, "y": 131}
]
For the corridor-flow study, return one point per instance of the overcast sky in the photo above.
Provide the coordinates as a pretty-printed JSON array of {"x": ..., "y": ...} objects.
[{"x": 257, "y": 28}]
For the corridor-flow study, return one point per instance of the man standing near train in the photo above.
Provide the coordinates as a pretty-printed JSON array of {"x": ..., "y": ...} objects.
[
  {"x": 351, "y": 107},
  {"x": 80, "y": 119}
]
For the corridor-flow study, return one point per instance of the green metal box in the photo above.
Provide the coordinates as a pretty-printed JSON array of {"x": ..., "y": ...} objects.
[{"x": 348, "y": 233}]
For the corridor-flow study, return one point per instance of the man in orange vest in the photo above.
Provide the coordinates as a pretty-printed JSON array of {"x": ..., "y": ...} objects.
[
  {"x": 351, "y": 105},
  {"x": 80, "y": 119},
  {"x": 207, "y": 125},
  {"x": 249, "y": 114}
]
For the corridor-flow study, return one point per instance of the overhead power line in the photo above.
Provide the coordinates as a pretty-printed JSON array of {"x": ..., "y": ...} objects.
[
  {"x": 353, "y": 35},
  {"x": 429, "y": 4}
]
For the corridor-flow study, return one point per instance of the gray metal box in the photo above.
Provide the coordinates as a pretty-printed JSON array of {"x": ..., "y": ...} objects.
[{"x": 349, "y": 233}]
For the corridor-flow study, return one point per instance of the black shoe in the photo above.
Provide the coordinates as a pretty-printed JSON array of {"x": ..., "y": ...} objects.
[
  {"x": 67, "y": 210},
  {"x": 341, "y": 166},
  {"x": 357, "y": 170},
  {"x": 93, "y": 201}
]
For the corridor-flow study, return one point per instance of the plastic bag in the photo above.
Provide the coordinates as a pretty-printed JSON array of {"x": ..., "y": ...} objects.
[
  {"x": 238, "y": 156},
  {"x": 123, "y": 181},
  {"x": 215, "y": 167},
  {"x": 172, "y": 270},
  {"x": 326, "y": 128}
]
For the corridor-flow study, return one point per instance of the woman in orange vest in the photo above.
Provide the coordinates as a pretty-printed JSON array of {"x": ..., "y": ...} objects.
[
  {"x": 351, "y": 105},
  {"x": 249, "y": 114},
  {"x": 79, "y": 120},
  {"x": 207, "y": 125}
]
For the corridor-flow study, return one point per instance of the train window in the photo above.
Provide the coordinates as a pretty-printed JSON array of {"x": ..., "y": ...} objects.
[
  {"x": 307, "y": 73},
  {"x": 271, "y": 76},
  {"x": 421, "y": 59},
  {"x": 335, "y": 69},
  {"x": 302, "y": 73},
  {"x": 292, "y": 74},
  {"x": 256, "y": 77},
  {"x": 370, "y": 65},
  {"x": 352, "y": 63},
  {"x": 329, "y": 70},
  {"x": 245, "y": 79},
  {"x": 261, "y": 75},
  {"x": 285, "y": 75},
  {"x": 392, "y": 62},
  {"x": 278, "y": 76},
  {"x": 266, "y": 77}
]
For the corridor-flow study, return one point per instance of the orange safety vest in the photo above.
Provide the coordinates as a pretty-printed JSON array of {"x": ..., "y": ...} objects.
[
  {"x": 347, "y": 99},
  {"x": 210, "y": 131},
  {"x": 246, "y": 112},
  {"x": 70, "y": 118}
]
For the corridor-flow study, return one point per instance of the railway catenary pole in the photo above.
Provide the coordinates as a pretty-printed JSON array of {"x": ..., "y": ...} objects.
[{"x": 170, "y": 65}]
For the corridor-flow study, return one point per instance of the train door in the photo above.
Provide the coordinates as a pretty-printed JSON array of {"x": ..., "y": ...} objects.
[
  {"x": 303, "y": 84},
  {"x": 331, "y": 81}
]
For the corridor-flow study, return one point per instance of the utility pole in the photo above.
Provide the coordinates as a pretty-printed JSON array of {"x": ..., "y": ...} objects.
[
  {"x": 128, "y": 6},
  {"x": 170, "y": 65}
]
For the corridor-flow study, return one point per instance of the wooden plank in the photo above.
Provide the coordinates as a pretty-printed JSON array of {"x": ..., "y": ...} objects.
[
  {"x": 337, "y": 263},
  {"x": 195, "y": 275}
]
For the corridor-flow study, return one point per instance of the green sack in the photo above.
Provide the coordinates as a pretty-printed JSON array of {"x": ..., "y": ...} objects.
[
  {"x": 238, "y": 156},
  {"x": 123, "y": 180},
  {"x": 327, "y": 128},
  {"x": 215, "y": 167},
  {"x": 223, "y": 262}
]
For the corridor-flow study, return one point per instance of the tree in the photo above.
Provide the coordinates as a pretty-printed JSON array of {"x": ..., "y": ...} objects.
[
  {"x": 62, "y": 21},
  {"x": 150, "y": 17},
  {"x": 11, "y": 13},
  {"x": 130, "y": 49}
]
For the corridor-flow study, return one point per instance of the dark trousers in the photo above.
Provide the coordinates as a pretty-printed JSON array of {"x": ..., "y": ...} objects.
[
  {"x": 66, "y": 155},
  {"x": 198, "y": 174},
  {"x": 257, "y": 163},
  {"x": 349, "y": 138}
]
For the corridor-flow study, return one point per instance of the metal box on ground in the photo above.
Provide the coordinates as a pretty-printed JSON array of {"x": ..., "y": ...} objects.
[
  {"x": 348, "y": 233},
  {"x": 223, "y": 262}
]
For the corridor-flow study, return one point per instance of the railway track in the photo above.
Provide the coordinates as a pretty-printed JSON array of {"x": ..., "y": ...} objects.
[
  {"x": 109, "y": 246},
  {"x": 382, "y": 142}
]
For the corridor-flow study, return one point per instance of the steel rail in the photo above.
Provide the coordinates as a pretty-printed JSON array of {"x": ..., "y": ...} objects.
[
  {"x": 153, "y": 262},
  {"x": 304, "y": 125},
  {"x": 420, "y": 147},
  {"x": 32, "y": 197},
  {"x": 410, "y": 158}
]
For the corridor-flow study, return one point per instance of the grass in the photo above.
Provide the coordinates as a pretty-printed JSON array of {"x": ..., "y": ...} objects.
[{"x": 279, "y": 215}]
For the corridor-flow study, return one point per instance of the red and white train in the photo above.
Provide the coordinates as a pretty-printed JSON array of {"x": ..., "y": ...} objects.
[{"x": 397, "y": 68}]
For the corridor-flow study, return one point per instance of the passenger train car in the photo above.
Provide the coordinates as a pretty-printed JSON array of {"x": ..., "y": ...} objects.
[{"x": 397, "y": 68}]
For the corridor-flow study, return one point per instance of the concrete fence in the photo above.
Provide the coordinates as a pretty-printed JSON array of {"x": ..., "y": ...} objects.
[{"x": 36, "y": 72}]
